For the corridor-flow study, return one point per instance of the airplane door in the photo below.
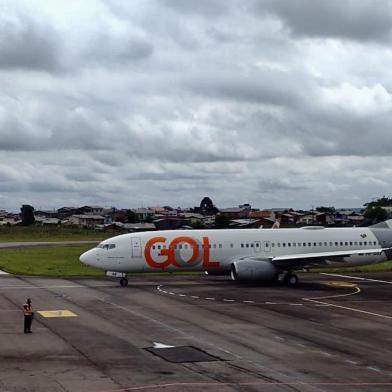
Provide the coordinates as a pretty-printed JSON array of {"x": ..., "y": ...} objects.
[
  {"x": 267, "y": 246},
  {"x": 136, "y": 247},
  {"x": 257, "y": 246}
]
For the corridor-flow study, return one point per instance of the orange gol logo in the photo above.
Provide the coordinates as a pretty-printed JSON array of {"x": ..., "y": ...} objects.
[{"x": 173, "y": 256}]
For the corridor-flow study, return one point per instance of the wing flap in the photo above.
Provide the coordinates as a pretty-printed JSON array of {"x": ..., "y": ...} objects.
[{"x": 320, "y": 258}]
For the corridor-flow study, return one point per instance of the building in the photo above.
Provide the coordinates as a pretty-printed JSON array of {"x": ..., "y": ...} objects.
[{"x": 87, "y": 220}]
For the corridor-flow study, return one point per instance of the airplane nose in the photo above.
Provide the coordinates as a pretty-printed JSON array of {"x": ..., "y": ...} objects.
[{"x": 87, "y": 258}]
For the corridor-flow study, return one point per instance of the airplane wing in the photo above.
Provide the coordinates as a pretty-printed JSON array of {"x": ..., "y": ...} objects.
[{"x": 319, "y": 258}]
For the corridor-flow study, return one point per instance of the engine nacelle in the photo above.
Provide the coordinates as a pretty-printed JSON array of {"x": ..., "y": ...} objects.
[{"x": 253, "y": 270}]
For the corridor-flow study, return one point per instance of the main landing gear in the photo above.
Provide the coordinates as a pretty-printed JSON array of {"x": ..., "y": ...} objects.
[
  {"x": 124, "y": 282},
  {"x": 290, "y": 279}
]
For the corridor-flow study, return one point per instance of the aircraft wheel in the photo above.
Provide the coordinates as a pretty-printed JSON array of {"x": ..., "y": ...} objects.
[
  {"x": 290, "y": 279},
  {"x": 124, "y": 282}
]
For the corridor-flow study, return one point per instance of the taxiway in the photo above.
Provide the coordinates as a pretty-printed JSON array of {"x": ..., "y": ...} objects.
[{"x": 192, "y": 333}]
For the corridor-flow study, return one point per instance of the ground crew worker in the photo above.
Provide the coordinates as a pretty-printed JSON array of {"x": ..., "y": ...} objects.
[{"x": 28, "y": 316}]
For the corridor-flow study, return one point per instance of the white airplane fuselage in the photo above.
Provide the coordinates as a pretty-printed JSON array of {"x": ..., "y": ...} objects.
[{"x": 219, "y": 251}]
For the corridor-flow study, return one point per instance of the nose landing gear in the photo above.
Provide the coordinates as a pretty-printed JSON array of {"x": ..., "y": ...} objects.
[{"x": 124, "y": 282}]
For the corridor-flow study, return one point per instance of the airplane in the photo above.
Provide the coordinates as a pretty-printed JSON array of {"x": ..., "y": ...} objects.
[{"x": 245, "y": 254}]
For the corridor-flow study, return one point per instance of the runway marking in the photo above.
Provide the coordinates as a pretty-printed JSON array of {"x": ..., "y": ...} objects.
[
  {"x": 56, "y": 313},
  {"x": 358, "y": 290},
  {"x": 210, "y": 299},
  {"x": 3, "y": 273},
  {"x": 358, "y": 278}
]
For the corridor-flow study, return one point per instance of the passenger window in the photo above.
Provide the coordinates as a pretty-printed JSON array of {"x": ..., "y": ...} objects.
[
  {"x": 294, "y": 244},
  {"x": 341, "y": 243},
  {"x": 159, "y": 246},
  {"x": 231, "y": 245},
  {"x": 320, "y": 244},
  {"x": 351, "y": 244},
  {"x": 355, "y": 243},
  {"x": 289, "y": 244},
  {"x": 257, "y": 244},
  {"x": 346, "y": 243},
  {"x": 278, "y": 244},
  {"x": 360, "y": 242},
  {"x": 273, "y": 244},
  {"x": 331, "y": 244},
  {"x": 299, "y": 244},
  {"x": 336, "y": 244},
  {"x": 242, "y": 245},
  {"x": 214, "y": 246},
  {"x": 247, "y": 245},
  {"x": 304, "y": 244},
  {"x": 284, "y": 244},
  {"x": 251, "y": 245},
  {"x": 309, "y": 244},
  {"x": 325, "y": 243},
  {"x": 365, "y": 243},
  {"x": 220, "y": 246},
  {"x": 153, "y": 247}
]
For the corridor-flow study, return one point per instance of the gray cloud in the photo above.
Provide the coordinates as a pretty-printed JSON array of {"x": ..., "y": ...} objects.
[
  {"x": 29, "y": 44},
  {"x": 166, "y": 102},
  {"x": 362, "y": 20}
]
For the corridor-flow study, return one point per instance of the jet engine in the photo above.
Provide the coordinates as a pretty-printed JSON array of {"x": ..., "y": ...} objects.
[{"x": 253, "y": 270}]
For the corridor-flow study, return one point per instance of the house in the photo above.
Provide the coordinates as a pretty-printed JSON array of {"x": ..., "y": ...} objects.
[
  {"x": 144, "y": 213},
  {"x": 245, "y": 223},
  {"x": 235, "y": 213},
  {"x": 66, "y": 212},
  {"x": 87, "y": 220},
  {"x": 264, "y": 214},
  {"x": 171, "y": 223}
]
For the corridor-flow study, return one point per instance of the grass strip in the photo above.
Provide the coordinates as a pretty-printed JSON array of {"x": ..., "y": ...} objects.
[
  {"x": 60, "y": 261},
  {"x": 52, "y": 233}
]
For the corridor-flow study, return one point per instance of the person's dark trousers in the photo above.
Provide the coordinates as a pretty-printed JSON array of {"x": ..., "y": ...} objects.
[{"x": 27, "y": 324}]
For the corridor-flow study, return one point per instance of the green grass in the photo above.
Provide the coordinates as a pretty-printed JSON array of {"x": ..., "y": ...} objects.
[
  {"x": 51, "y": 233},
  {"x": 379, "y": 267},
  {"x": 60, "y": 261}
]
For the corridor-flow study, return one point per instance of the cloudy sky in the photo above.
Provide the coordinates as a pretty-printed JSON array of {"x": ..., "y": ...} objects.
[{"x": 155, "y": 102}]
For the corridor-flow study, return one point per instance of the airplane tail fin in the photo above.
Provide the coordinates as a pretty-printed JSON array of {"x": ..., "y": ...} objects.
[{"x": 383, "y": 225}]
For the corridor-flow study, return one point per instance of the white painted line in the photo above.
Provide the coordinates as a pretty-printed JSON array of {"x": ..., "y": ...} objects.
[
  {"x": 3, "y": 272},
  {"x": 229, "y": 300},
  {"x": 172, "y": 293},
  {"x": 374, "y": 369},
  {"x": 195, "y": 296},
  {"x": 352, "y": 309},
  {"x": 359, "y": 278},
  {"x": 248, "y": 302},
  {"x": 182, "y": 295},
  {"x": 210, "y": 299},
  {"x": 270, "y": 303},
  {"x": 161, "y": 345},
  {"x": 352, "y": 362},
  {"x": 296, "y": 304}
]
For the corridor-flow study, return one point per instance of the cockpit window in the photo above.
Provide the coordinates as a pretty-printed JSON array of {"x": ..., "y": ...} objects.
[{"x": 106, "y": 246}]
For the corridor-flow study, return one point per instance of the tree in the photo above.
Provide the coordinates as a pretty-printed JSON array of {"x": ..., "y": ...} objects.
[
  {"x": 375, "y": 214},
  {"x": 221, "y": 221},
  {"x": 381, "y": 202},
  {"x": 197, "y": 224},
  {"x": 207, "y": 207},
  {"x": 27, "y": 214},
  {"x": 131, "y": 217}
]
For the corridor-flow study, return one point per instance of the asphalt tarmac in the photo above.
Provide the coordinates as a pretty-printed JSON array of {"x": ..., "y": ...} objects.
[{"x": 193, "y": 333}]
